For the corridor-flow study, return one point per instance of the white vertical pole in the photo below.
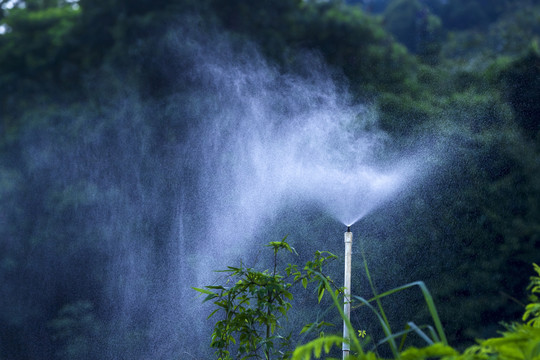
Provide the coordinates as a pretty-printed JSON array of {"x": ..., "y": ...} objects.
[{"x": 347, "y": 284}]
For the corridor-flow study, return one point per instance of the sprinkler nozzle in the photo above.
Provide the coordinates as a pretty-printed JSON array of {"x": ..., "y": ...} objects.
[{"x": 348, "y": 229}]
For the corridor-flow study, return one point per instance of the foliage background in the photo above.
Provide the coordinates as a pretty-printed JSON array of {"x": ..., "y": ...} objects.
[{"x": 92, "y": 112}]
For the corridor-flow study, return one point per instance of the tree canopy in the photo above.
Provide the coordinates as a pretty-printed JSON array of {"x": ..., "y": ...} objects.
[{"x": 96, "y": 87}]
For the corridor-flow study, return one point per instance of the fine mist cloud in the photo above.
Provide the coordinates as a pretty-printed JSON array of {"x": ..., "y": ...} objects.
[
  {"x": 152, "y": 195},
  {"x": 270, "y": 139}
]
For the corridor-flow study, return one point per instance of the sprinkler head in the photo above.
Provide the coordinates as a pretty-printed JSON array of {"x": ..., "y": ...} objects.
[{"x": 348, "y": 229}]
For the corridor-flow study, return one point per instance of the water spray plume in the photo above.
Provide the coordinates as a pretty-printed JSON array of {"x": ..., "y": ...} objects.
[
  {"x": 279, "y": 141},
  {"x": 187, "y": 184}
]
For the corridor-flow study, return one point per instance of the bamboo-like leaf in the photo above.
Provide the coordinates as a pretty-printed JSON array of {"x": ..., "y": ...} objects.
[
  {"x": 216, "y": 287},
  {"x": 324, "y": 323},
  {"x": 321, "y": 293},
  {"x": 306, "y": 328},
  {"x": 204, "y": 291},
  {"x": 210, "y": 297},
  {"x": 212, "y": 313}
]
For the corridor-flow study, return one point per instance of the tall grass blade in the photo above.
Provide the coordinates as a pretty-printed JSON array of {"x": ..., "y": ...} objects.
[
  {"x": 384, "y": 324},
  {"x": 410, "y": 327},
  {"x": 429, "y": 301},
  {"x": 373, "y": 290},
  {"x": 420, "y": 333},
  {"x": 382, "y": 318},
  {"x": 354, "y": 342}
]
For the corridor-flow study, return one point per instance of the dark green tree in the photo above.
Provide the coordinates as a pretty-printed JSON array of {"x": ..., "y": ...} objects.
[
  {"x": 521, "y": 81},
  {"x": 463, "y": 14},
  {"x": 415, "y": 26}
]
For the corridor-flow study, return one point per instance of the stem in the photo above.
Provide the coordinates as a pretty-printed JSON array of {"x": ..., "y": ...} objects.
[
  {"x": 267, "y": 351},
  {"x": 275, "y": 262}
]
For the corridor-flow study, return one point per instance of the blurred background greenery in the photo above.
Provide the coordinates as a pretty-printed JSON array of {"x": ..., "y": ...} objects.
[{"x": 467, "y": 70}]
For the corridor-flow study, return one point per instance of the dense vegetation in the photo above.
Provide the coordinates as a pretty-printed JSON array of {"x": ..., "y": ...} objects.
[
  {"x": 252, "y": 303},
  {"x": 92, "y": 109}
]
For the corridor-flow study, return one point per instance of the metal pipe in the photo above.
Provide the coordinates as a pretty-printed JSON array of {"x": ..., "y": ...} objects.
[{"x": 347, "y": 298}]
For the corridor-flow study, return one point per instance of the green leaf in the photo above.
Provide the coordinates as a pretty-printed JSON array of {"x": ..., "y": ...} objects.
[
  {"x": 306, "y": 328},
  {"x": 216, "y": 287},
  {"x": 204, "y": 291},
  {"x": 212, "y": 314},
  {"x": 304, "y": 352},
  {"x": 304, "y": 283},
  {"x": 210, "y": 297},
  {"x": 438, "y": 350},
  {"x": 321, "y": 293},
  {"x": 324, "y": 323}
]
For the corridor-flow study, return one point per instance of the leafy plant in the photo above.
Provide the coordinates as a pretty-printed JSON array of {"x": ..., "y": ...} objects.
[
  {"x": 519, "y": 342},
  {"x": 254, "y": 302},
  {"x": 437, "y": 338},
  {"x": 533, "y": 309}
]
